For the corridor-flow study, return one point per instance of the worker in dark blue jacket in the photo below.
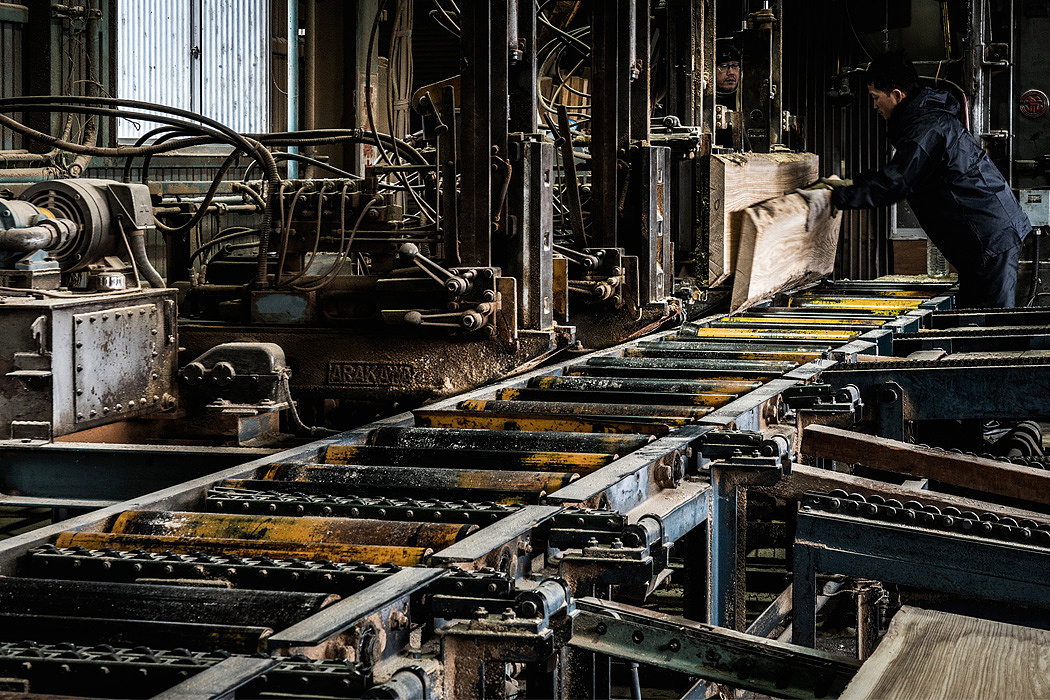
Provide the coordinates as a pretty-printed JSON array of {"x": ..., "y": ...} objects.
[{"x": 960, "y": 198}]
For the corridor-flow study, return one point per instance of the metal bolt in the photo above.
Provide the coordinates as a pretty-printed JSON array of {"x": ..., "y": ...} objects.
[
  {"x": 509, "y": 614},
  {"x": 480, "y": 611},
  {"x": 674, "y": 645},
  {"x": 601, "y": 628}
]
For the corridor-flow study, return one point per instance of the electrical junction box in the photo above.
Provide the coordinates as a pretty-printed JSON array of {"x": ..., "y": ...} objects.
[{"x": 1036, "y": 204}]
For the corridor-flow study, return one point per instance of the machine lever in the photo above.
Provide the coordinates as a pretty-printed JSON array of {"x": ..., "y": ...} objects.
[{"x": 457, "y": 284}]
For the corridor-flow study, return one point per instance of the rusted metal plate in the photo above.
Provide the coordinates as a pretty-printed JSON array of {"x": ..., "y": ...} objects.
[{"x": 114, "y": 353}]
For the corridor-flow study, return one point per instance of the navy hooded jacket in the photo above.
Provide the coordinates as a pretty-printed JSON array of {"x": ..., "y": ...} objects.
[{"x": 960, "y": 198}]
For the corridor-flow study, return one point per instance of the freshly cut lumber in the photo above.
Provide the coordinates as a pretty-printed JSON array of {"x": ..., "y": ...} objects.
[
  {"x": 942, "y": 656},
  {"x": 739, "y": 180},
  {"x": 776, "y": 250}
]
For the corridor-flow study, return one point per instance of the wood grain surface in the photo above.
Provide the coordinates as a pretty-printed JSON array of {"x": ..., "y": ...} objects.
[
  {"x": 941, "y": 656},
  {"x": 739, "y": 180},
  {"x": 776, "y": 250}
]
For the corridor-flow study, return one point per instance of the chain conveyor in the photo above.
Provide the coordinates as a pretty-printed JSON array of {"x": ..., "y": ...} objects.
[{"x": 412, "y": 557}]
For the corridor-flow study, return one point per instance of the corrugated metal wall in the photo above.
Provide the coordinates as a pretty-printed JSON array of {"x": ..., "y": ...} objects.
[
  {"x": 154, "y": 38},
  {"x": 235, "y": 51},
  {"x": 849, "y": 139},
  {"x": 10, "y": 76},
  {"x": 210, "y": 56}
]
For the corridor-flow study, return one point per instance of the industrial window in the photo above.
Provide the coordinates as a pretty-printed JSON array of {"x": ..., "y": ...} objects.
[{"x": 208, "y": 56}]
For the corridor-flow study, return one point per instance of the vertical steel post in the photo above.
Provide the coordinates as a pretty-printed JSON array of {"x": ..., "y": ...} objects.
[
  {"x": 724, "y": 578},
  {"x": 476, "y": 139},
  {"x": 804, "y": 597},
  {"x": 640, "y": 71},
  {"x": 609, "y": 118},
  {"x": 293, "y": 81}
]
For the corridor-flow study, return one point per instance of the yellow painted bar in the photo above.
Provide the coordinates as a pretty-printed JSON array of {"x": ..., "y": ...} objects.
[
  {"x": 829, "y": 320},
  {"x": 903, "y": 293},
  {"x": 704, "y": 385},
  {"x": 303, "y": 530},
  {"x": 527, "y": 461},
  {"x": 864, "y": 303},
  {"x": 369, "y": 554},
  {"x": 553, "y": 422},
  {"x": 778, "y": 355},
  {"x": 713, "y": 400},
  {"x": 776, "y": 334},
  {"x": 394, "y": 478},
  {"x": 586, "y": 409}
]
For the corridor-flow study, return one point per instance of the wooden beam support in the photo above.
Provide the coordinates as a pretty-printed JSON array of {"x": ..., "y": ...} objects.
[
  {"x": 803, "y": 479},
  {"x": 977, "y": 473}
]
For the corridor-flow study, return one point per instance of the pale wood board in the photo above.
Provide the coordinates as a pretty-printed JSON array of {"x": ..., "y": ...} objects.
[
  {"x": 934, "y": 655},
  {"x": 777, "y": 251},
  {"x": 739, "y": 180}
]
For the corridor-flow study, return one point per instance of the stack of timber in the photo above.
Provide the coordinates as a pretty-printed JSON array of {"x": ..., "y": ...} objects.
[
  {"x": 739, "y": 181},
  {"x": 776, "y": 250}
]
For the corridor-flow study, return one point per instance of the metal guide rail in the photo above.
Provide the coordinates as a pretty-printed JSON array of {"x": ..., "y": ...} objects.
[{"x": 413, "y": 557}]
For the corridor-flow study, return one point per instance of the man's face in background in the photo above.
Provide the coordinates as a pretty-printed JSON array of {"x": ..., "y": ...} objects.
[{"x": 727, "y": 75}]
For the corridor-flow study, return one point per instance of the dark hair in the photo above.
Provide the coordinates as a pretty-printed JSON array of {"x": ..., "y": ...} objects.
[
  {"x": 892, "y": 71},
  {"x": 725, "y": 51}
]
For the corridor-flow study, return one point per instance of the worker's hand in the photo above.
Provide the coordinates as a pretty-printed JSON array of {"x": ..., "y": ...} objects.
[
  {"x": 833, "y": 182},
  {"x": 819, "y": 200}
]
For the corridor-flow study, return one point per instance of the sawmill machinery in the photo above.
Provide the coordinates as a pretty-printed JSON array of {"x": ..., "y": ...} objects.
[
  {"x": 502, "y": 542},
  {"x": 668, "y": 512}
]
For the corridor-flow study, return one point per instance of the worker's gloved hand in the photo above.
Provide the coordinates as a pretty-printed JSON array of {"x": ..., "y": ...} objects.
[
  {"x": 819, "y": 200},
  {"x": 833, "y": 182}
]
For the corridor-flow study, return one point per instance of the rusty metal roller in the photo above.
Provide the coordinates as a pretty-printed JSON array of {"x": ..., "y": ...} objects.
[
  {"x": 678, "y": 386},
  {"x": 444, "y": 479},
  {"x": 580, "y": 408},
  {"x": 452, "y": 439},
  {"x": 290, "y": 529}
]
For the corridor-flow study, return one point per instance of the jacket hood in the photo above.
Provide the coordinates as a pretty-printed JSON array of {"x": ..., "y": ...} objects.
[{"x": 925, "y": 100}]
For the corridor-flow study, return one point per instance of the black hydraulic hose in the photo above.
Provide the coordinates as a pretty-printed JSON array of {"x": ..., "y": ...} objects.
[
  {"x": 321, "y": 137},
  {"x": 202, "y": 207},
  {"x": 223, "y": 132},
  {"x": 141, "y": 141},
  {"x": 137, "y": 243},
  {"x": 305, "y": 159}
]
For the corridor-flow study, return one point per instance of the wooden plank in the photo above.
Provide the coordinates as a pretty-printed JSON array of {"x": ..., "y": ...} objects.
[
  {"x": 987, "y": 475},
  {"x": 776, "y": 250},
  {"x": 740, "y": 180},
  {"x": 803, "y": 479},
  {"x": 942, "y": 656}
]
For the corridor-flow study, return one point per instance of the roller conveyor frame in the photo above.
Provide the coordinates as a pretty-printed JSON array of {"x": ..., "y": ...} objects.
[{"x": 645, "y": 483}]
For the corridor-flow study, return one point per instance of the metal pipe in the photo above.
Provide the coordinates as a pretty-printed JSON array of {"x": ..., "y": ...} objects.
[
  {"x": 40, "y": 237},
  {"x": 137, "y": 243},
  {"x": 310, "y": 79},
  {"x": 1010, "y": 104},
  {"x": 293, "y": 81}
]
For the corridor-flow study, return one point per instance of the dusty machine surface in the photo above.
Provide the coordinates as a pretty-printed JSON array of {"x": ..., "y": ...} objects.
[
  {"x": 654, "y": 430},
  {"x": 668, "y": 515}
]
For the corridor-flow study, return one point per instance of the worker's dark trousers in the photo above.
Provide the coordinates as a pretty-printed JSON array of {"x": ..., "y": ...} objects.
[{"x": 992, "y": 284}]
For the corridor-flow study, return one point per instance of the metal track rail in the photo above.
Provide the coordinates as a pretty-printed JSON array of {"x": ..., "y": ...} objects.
[{"x": 326, "y": 558}]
